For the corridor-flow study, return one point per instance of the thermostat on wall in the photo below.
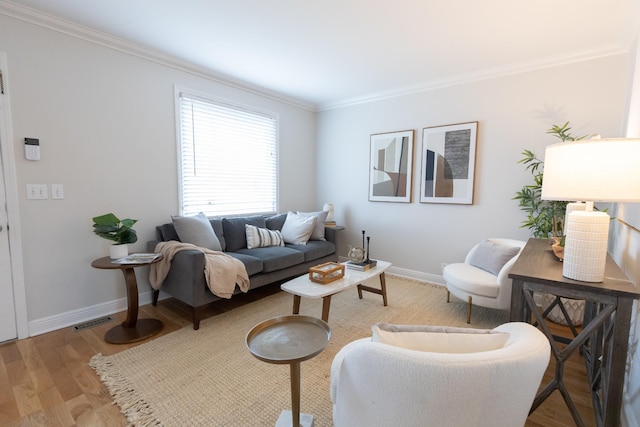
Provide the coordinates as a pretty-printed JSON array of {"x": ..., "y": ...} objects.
[{"x": 32, "y": 149}]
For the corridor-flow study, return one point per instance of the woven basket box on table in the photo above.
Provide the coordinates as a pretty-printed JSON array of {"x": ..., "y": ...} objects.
[{"x": 326, "y": 273}]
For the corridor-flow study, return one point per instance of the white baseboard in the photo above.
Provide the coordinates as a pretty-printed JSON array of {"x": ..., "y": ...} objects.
[
  {"x": 71, "y": 318},
  {"x": 417, "y": 275}
]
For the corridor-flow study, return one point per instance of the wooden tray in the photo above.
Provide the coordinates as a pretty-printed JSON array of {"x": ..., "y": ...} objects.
[{"x": 326, "y": 273}]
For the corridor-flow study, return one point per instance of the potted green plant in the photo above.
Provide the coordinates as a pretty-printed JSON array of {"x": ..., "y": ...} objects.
[
  {"x": 120, "y": 231},
  {"x": 545, "y": 218}
]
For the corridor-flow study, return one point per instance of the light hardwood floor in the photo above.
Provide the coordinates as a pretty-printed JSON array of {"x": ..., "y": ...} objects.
[{"x": 46, "y": 380}]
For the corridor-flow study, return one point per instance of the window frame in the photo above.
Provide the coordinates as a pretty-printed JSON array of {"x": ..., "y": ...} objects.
[{"x": 226, "y": 103}]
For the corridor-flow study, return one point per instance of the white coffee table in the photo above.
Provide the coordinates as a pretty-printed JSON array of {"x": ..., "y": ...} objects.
[{"x": 303, "y": 287}]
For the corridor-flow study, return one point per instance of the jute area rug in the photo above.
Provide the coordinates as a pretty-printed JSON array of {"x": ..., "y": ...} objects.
[{"x": 209, "y": 378}]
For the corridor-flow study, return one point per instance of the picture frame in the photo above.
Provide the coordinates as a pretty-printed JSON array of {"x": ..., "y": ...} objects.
[
  {"x": 391, "y": 166},
  {"x": 448, "y": 163}
]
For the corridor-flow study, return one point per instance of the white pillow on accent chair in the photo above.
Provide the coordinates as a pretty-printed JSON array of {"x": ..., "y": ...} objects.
[{"x": 438, "y": 339}]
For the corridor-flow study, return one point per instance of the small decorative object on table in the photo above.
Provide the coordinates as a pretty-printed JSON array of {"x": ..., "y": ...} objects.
[
  {"x": 359, "y": 257},
  {"x": 558, "y": 251},
  {"x": 118, "y": 230},
  {"x": 326, "y": 273}
]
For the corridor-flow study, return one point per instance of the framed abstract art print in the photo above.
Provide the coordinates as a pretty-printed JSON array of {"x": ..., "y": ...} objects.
[
  {"x": 448, "y": 163},
  {"x": 390, "y": 167}
]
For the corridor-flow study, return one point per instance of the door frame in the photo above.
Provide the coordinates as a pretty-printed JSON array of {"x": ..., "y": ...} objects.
[{"x": 13, "y": 214}]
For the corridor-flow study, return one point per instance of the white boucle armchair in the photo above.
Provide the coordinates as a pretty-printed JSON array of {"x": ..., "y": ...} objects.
[
  {"x": 483, "y": 278},
  {"x": 377, "y": 384}
]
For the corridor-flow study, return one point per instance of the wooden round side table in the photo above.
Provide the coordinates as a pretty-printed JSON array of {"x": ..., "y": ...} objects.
[{"x": 132, "y": 329}]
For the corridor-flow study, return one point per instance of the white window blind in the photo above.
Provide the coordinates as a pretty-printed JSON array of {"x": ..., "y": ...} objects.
[{"x": 228, "y": 158}]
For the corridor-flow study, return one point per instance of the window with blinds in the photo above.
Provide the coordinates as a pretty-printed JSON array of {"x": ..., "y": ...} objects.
[{"x": 228, "y": 158}]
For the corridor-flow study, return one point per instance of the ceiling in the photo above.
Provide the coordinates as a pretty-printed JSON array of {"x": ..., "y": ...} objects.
[{"x": 329, "y": 53}]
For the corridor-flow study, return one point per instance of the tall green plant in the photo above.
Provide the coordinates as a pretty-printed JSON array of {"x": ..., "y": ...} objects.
[{"x": 544, "y": 217}]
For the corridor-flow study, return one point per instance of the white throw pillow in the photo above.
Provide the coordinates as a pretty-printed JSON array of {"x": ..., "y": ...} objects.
[
  {"x": 438, "y": 339},
  {"x": 262, "y": 237},
  {"x": 491, "y": 257},
  {"x": 318, "y": 230},
  {"x": 297, "y": 229},
  {"x": 196, "y": 230}
]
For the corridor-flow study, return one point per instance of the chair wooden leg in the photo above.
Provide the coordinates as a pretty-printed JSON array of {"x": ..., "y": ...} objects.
[
  {"x": 448, "y": 295},
  {"x": 469, "y": 311}
]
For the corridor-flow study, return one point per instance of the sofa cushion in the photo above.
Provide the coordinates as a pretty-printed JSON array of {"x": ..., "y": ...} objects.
[
  {"x": 166, "y": 232},
  {"x": 438, "y": 339},
  {"x": 275, "y": 257},
  {"x": 262, "y": 237},
  {"x": 252, "y": 264},
  {"x": 491, "y": 256},
  {"x": 197, "y": 230},
  {"x": 276, "y": 222},
  {"x": 217, "y": 228},
  {"x": 297, "y": 229},
  {"x": 318, "y": 230},
  {"x": 234, "y": 231},
  {"x": 315, "y": 249}
]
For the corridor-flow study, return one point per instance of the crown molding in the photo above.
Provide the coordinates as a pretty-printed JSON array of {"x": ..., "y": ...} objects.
[
  {"x": 486, "y": 74},
  {"x": 23, "y": 13},
  {"x": 59, "y": 25}
]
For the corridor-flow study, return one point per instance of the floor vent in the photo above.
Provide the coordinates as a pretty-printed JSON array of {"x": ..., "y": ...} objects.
[{"x": 92, "y": 323}]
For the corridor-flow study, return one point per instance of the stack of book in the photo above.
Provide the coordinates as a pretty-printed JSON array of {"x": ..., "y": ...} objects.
[
  {"x": 362, "y": 266},
  {"x": 329, "y": 223}
]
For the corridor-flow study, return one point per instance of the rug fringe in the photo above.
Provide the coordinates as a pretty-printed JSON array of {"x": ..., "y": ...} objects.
[{"x": 137, "y": 411}]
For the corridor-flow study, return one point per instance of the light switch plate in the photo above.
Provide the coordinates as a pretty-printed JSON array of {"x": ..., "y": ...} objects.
[
  {"x": 37, "y": 192},
  {"x": 57, "y": 191}
]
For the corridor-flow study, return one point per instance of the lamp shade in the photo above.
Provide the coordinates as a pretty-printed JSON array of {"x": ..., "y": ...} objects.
[{"x": 599, "y": 170}]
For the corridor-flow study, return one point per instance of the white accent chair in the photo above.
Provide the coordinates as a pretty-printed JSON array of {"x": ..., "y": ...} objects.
[
  {"x": 376, "y": 384},
  {"x": 482, "y": 279}
]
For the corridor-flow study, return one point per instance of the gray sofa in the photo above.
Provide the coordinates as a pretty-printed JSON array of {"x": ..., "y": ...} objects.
[{"x": 186, "y": 281}]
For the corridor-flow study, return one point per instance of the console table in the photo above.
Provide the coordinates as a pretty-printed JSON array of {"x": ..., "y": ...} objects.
[{"x": 604, "y": 337}]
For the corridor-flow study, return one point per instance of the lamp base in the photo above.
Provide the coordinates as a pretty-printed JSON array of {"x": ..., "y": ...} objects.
[{"x": 585, "y": 248}]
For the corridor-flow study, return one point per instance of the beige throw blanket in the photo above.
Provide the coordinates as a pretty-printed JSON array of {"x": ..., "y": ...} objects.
[{"x": 221, "y": 271}]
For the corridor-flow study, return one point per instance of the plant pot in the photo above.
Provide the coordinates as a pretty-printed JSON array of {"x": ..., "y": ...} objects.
[
  {"x": 118, "y": 251},
  {"x": 558, "y": 251}
]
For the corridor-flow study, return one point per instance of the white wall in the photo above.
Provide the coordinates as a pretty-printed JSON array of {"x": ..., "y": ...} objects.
[
  {"x": 624, "y": 246},
  {"x": 106, "y": 124},
  {"x": 514, "y": 113}
]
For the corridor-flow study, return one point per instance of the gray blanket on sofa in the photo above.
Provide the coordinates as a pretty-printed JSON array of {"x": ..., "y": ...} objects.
[{"x": 222, "y": 272}]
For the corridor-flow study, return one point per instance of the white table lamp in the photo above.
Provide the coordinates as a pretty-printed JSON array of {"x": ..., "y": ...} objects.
[{"x": 596, "y": 170}]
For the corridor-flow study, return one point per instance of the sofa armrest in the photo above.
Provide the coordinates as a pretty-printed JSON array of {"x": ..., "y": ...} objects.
[
  {"x": 185, "y": 280},
  {"x": 151, "y": 245},
  {"x": 331, "y": 234}
]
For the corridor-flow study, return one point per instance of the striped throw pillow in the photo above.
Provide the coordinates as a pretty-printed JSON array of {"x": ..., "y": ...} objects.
[{"x": 262, "y": 237}]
